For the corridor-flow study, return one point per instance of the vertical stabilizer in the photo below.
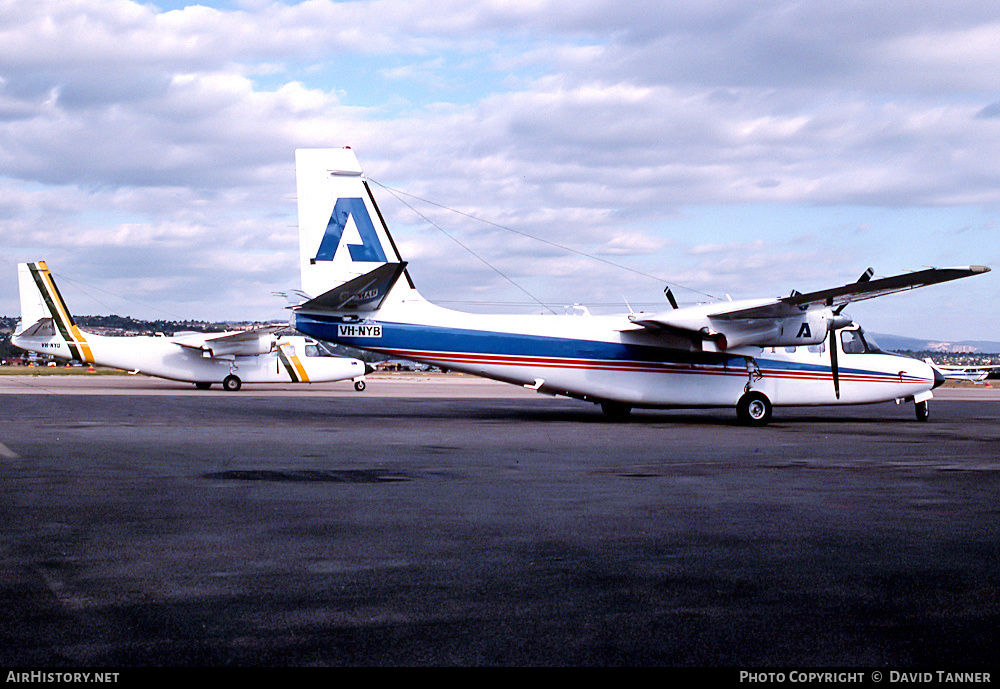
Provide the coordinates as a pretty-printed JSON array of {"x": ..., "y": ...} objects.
[
  {"x": 342, "y": 235},
  {"x": 41, "y": 301},
  {"x": 33, "y": 306}
]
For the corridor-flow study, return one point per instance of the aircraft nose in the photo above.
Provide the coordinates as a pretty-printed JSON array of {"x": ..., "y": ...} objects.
[
  {"x": 371, "y": 369},
  {"x": 938, "y": 379}
]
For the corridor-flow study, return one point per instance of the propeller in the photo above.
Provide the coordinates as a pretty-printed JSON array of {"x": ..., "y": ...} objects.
[
  {"x": 836, "y": 324},
  {"x": 833, "y": 361}
]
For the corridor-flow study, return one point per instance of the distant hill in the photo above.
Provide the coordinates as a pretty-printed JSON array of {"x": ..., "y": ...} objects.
[{"x": 899, "y": 343}]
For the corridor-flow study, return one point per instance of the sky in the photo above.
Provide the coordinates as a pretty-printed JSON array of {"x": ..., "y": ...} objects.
[{"x": 728, "y": 149}]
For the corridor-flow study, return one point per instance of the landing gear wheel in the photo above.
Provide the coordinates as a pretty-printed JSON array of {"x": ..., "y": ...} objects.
[
  {"x": 922, "y": 411},
  {"x": 231, "y": 383},
  {"x": 203, "y": 385},
  {"x": 616, "y": 411},
  {"x": 359, "y": 385},
  {"x": 754, "y": 409}
]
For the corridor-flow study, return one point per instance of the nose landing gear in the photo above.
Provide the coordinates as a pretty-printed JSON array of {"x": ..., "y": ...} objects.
[{"x": 754, "y": 409}]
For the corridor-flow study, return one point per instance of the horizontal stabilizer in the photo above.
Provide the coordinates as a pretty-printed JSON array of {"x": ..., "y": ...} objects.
[
  {"x": 43, "y": 327},
  {"x": 363, "y": 293}
]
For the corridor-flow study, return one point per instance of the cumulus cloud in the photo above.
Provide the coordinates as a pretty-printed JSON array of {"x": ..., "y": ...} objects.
[{"x": 165, "y": 137}]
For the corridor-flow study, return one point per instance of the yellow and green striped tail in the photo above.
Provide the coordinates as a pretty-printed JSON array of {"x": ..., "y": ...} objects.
[{"x": 61, "y": 318}]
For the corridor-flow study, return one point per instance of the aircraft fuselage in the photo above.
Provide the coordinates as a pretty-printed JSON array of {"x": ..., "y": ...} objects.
[
  {"x": 606, "y": 359},
  {"x": 160, "y": 357}
]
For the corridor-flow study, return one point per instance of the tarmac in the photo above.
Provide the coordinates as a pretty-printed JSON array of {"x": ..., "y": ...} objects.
[{"x": 443, "y": 520}]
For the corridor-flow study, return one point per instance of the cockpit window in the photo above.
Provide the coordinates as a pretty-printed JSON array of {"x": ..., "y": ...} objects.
[
  {"x": 856, "y": 342},
  {"x": 312, "y": 350},
  {"x": 871, "y": 343},
  {"x": 853, "y": 344}
]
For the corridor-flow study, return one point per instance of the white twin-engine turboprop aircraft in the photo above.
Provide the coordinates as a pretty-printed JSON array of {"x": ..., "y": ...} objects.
[
  {"x": 972, "y": 372},
  {"x": 230, "y": 358},
  {"x": 751, "y": 355}
]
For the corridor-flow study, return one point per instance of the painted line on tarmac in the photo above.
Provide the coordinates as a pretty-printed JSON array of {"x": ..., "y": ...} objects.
[{"x": 7, "y": 452}]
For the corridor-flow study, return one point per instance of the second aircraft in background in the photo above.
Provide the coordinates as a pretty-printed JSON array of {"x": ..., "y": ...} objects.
[{"x": 230, "y": 358}]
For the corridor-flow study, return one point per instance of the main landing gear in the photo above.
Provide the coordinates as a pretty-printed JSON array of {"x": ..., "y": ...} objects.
[
  {"x": 616, "y": 411},
  {"x": 229, "y": 384}
]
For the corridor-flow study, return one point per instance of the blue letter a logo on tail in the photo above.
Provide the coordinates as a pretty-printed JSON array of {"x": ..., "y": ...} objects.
[{"x": 370, "y": 248}]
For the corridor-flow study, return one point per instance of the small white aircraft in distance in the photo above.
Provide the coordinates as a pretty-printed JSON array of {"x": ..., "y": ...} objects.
[
  {"x": 976, "y": 374},
  {"x": 230, "y": 358},
  {"x": 752, "y": 355}
]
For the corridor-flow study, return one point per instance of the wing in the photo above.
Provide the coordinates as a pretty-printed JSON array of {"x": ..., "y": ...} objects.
[
  {"x": 256, "y": 340},
  {"x": 869, "y": 289},
  {"x": 798, "y": 319}
]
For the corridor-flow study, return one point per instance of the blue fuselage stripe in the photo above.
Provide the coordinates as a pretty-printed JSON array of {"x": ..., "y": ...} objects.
[
  {"x": 399, "y": 336},
  {"x": 429, "y": 343}
]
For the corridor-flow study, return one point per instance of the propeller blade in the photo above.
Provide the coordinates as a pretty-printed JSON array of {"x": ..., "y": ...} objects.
[
  {"x": 833, "y": 362},
  {"x": 668, "y": 293}
]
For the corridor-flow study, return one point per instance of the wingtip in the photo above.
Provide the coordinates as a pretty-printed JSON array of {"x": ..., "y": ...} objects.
[{"x": 979, "y": 269}]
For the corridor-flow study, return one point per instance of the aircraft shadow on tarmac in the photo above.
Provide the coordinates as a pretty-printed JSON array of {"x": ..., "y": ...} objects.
[
  {"x": 688, "y": 417},
  {"x": 309, "y": 476},
  {"x": 545, "y": 412}
]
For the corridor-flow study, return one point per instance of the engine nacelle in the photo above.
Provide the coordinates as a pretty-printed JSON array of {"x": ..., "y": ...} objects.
[
  {"x": 807, "y": 328},
  {"x": 251, "y": 347}
]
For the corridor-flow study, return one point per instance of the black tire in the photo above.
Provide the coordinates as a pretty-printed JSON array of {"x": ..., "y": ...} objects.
[
  {"x": 203, "y": 385},
  {"x": 754, "y": 409},
  {"x": 359, "y": 385},
  {"x": 616, "y": 411},
  {"x": 231, "y": 383},
  {"x": 923, "y": 410}
]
